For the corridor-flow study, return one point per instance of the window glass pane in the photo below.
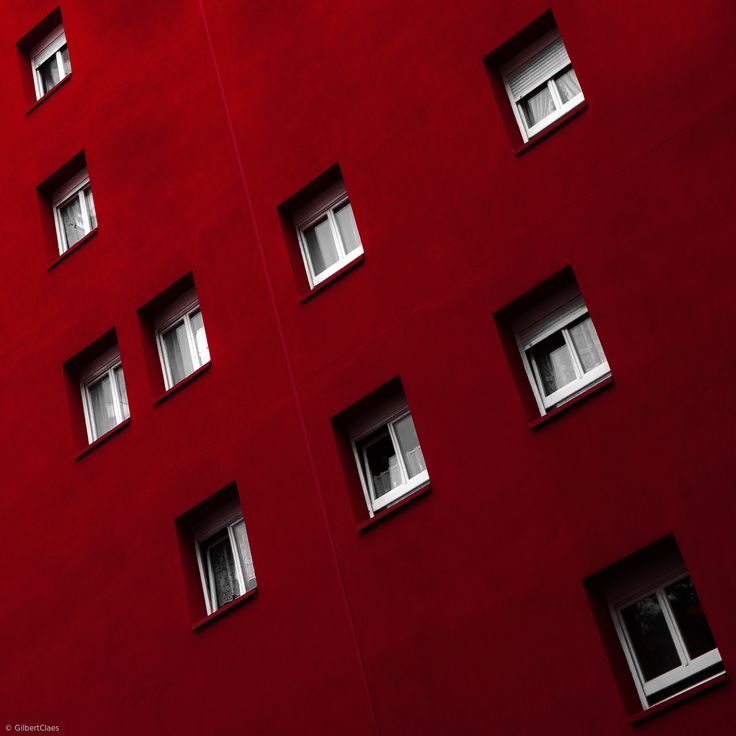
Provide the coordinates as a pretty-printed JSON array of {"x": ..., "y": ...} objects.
[
  {"x": 347, "y": 227},
  {"x": 650, "y": 637},
  {"x": 537, "y": 105},
  {"x": 567, "y": 85},
  {"x": 71, "y": 218},
  {"x": 176, "y": 346},
  {"x": 222, "y": 569},
  {"x": 554, "y": 363},
  {"x": 49, "y": 73},
  {"x": 90, "y": 208},
  {"x": 200, "y": 338},
  {"x": 102, "y": 406},
  {"x": 409, "y": 444},
  {"x": 690, "y": 618},
  {"x": 381, "y": 463},
  {"x": 321, "y": 247},
  {"x": 65, "y": 60},
  {"x": 122, "y": 393},
  {"x": 243, "y": 548},
  {"x": 587, "y": 344}
]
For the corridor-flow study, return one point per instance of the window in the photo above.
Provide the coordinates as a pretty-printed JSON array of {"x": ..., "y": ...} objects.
[
  {"x": 560, "y": 348},
  {"x": 328, "y": 235},
  {"x": 668, "y": 644},
  {"x": 74, "y": 210},
  {"x": 104, "y": 398},
  {"x": 388, "y": 454},
  {"x": 223, "y": 555},
  {"x": 541, "y": 84},
  {"x": 50, "y": 61},
  {"x": 181, "y": 339}
]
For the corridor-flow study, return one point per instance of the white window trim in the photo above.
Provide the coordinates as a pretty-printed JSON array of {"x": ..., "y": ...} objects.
[
  {"x": 688, "y": 668},
  {"x": 223, "y": 520},
  {"x": 325, "y": 205},
  {"x": 64, "y": 195},
  {"x": 562, "y": 107},
  {"x": 389, "y": 413},
  {"x": 103, "y": 366},
  {"x": 182, "y": 309},
  {"x": 552, "y": 316},
  {"x": 50, "y": 46}
]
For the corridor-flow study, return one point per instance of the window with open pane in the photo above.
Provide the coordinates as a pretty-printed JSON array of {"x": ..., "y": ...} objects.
[
  {"x": 389, "y": 456},
  {"x": 50, "y": 61},
  {"x": 561, "y": 350},
  {"x": 224, "y": 557},
  {"x": 74, "y": 211},
  {"x": 104, "y": 397},
  {"x": 181, "y": 339},
  {"x": 328, "y": 235}
]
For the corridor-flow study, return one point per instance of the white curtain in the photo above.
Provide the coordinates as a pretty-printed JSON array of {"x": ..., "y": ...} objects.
[
  {"x": 200, "y": 338},
  {"x": 90, "y": 202},
  {"x": 321, "y": 247},
  {"x": 246, "y": 562},
  {"x": 347, "y": 227},
  {"x": 409, "y": 444},
  {"x": 122, "y": 392},
  {"x": 177, "y": 351},
  {"x": 71, "y": 217},
  {"x": 567, "y": 85},
  {"x": 102, "y": 406},
  {"x": 587, "y": 344},
  {"x": 538, "y": 106}
]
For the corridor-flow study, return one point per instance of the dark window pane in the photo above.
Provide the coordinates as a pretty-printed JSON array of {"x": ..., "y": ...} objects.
[
  {"x": 223, "y": 572},
  {"x": 49, "y": 72},
  {"x": 690, "y": 618},
  {"x": 650, "y": 637},
  {"x": 382, "y": 463},
  {"x": 554, "y": 363}
]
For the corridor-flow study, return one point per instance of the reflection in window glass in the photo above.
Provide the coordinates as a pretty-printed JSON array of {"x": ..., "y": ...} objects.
[
  {"x": 650, "y": 636},
  {"x": 690, "y": 618}
]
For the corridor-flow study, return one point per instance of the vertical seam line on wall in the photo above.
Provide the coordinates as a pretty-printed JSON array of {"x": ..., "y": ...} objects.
[{"x": 289, "y": 368}]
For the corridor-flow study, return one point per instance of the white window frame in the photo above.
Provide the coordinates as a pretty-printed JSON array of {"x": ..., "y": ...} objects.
[
  {"x": 98, "y": 369},
  {"x": 516, "y": 66},
  {"x": 325, "y": 205},
  {"x": 641, "y": 587},
  {"x": 50, "y": 46},
  {"x": 387, "y": 415},
  {"x": 63, "y": 196},
  {"x": 182, "y": 309},
  {"x": 554, "y": 315},
  {"x": 222, "y": 522}
]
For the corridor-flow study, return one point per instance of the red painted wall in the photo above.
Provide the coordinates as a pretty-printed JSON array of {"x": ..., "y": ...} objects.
[{"x": 465, "y": 611}]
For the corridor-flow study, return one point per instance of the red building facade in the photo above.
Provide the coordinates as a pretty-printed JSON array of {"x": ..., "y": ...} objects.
[{"x": 478, "y": 599}]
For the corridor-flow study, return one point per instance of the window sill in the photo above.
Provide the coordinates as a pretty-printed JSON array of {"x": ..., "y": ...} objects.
[
  {"x": 184, "y": 382},
  {"x": 677, "y": 699},
  {"x": 59, "y": 84},
  {"x": 572, "y": 402},
  {"x": 197, "y": 625},
  {"x": 117, "y": 428},
  {"x": 323, "y": 284},
  {"x": 74, "y": 248},
  {"x": 550, "y": 128},
  {"x": 421, "y": 491}
]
